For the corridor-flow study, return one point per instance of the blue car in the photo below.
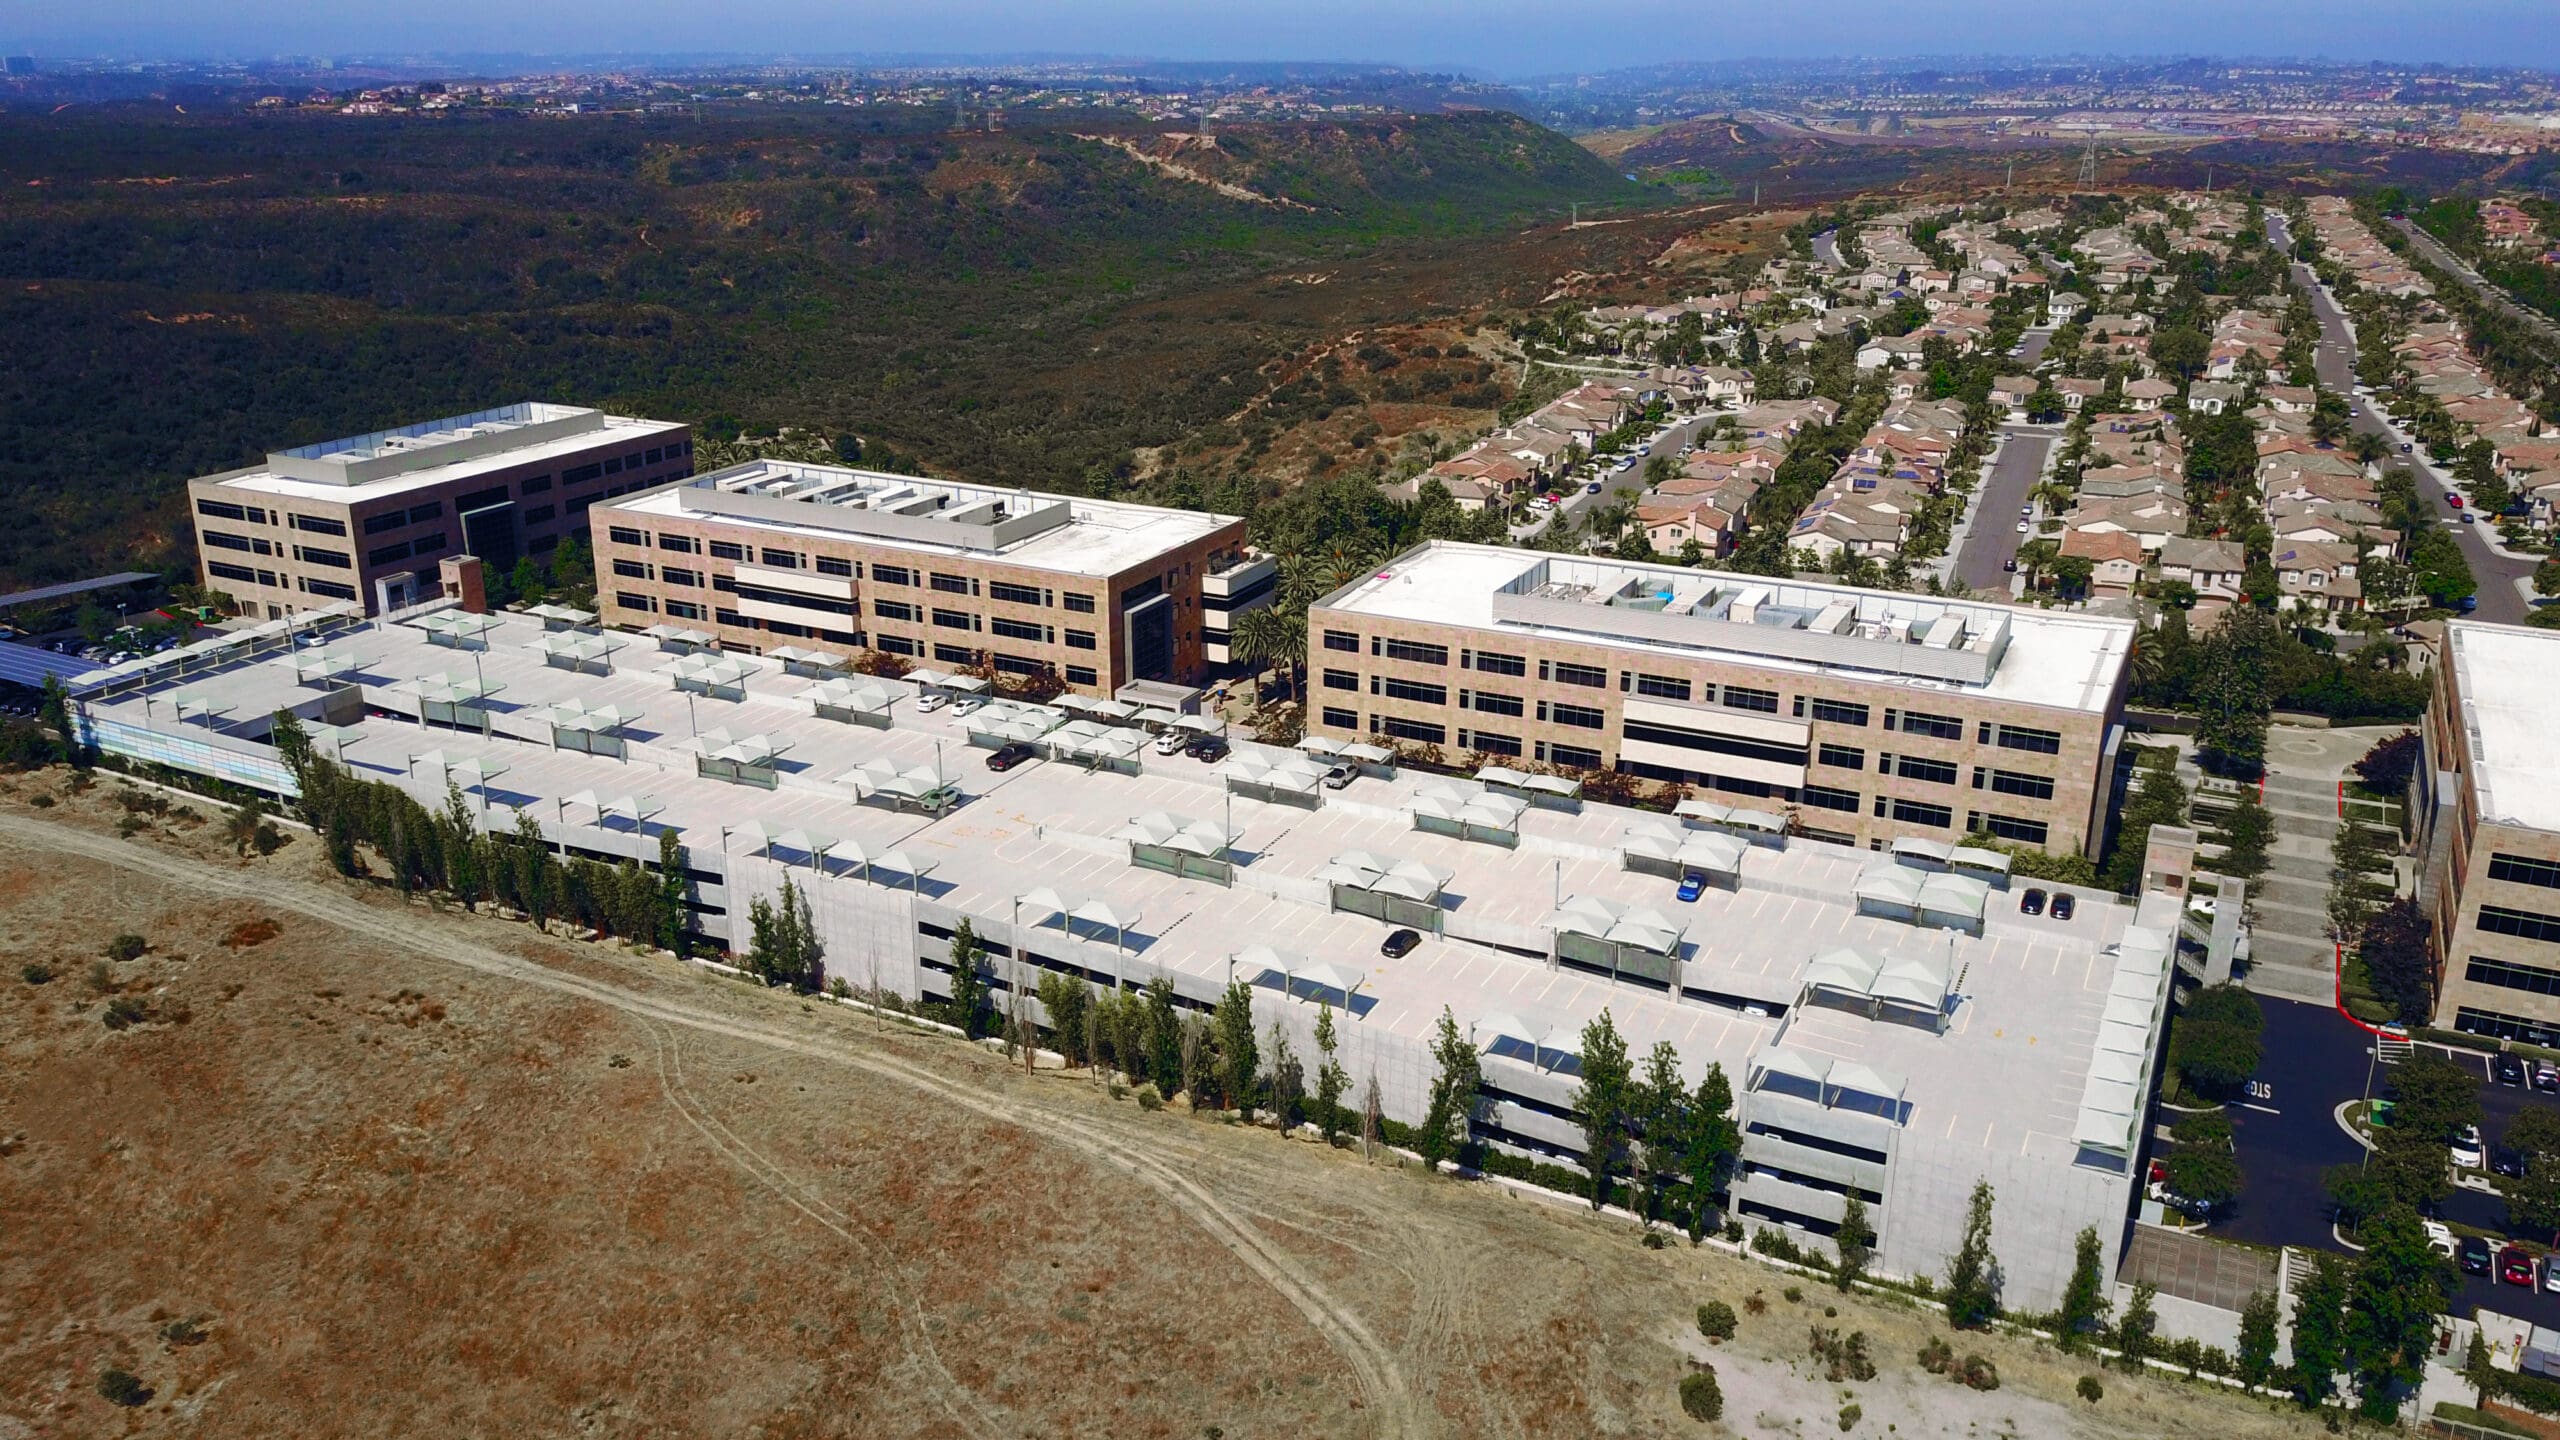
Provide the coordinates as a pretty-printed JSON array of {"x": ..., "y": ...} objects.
[{"x": 1692, "y": 885}]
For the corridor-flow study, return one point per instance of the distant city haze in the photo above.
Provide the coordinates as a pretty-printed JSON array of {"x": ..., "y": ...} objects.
[{"x": 1501, "y": 38}]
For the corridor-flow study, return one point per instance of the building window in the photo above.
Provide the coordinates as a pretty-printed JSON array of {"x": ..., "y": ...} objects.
[
  {"x": 2535, "y": 978},
  {"x": 1661, "y": 687},
  {"x": 892, "y": 575},
  {"x": 1566, "y": 673},
  {"x": 1333, "y": 639},
  {"x": 1935, "y": 772},
  {"x": 955, "y": 619},
  {"x": 221, "y": 510},
  {"x": 953, "y": 584},
  {"x": 2523, "y": 924},
  {"x": 533, "y": 485},
  {"x": 1936, "y": 727},
  {"x": 1080, "y": 604},
  {"x": 1842, "y": 757},
  {"x": 1830, "y": 799},
  {"x": 330, "y": 589},
  {"x": 2524, "y": 870},
  {"x": 1714, "y": 743},
  {"x": 319, "y": 525},
  {"x": 1914, "y": 812},
  {"x": 1342, "y": 680},
  {"x": 430, "y": 544},
  {"x": 1412, "y": 652},
  {"x": 681, "y": 544},
  {"x": 634, "y": 600},
  {"x": 625, "y": 535},
  {"x": 631, "y": 569},
  {"x": 1079, "y": 639},
  {"x": 896, "y": 645},
  {"x": 223, "y": 540},
  {"x": 1341, "y": 719},
  {"x": 1833, "y": 712},
  {"x": 1020, "y": 665},
  {"x": 1574, "y": 757},
  {"x": 581, "y": 474},
  {"x": 728, "y": 550},
  {"x": 675, "y": 575},
  {"x": 2010, "y": 782},
  {"x": 955, "y": 654},
  {"x": 1082, "y": 675},
  {"x": 1494, "y": 662},
  {"x": 613, "y": 465},
  {"x": 782, "y": 559},
  {"x": 314, "y": 555},
  {"x": 1741, "y": 697},
  {"x": 683, "y": 610},
  {"x": 1581, "y": 717},
  {"x": 1412, "y": 690},
  {"x": 540, "y": 513},
  {"x": 1496, "y": 704},
  {"x": 2506, "y": 1027},
  {"x": 834, "y": 565},
  {"x": 1403, "y": 729},
  {"x": 388, "y": 553},
  {"x": 893, "y": 610},
  {"x": 376, "y": 524},
  {"x": 1018, "y": 629},
  {"x": 2020, "y": 737},
  {"x": 742, "y": 622},
  {"x": 1493, "y": 744},
  {"x": 2029, "y": 832},
  {"x": 227, "y": 571},
  {"x": 1013, "y": 594}
]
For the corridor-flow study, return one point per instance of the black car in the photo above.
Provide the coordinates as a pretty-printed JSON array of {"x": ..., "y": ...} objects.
[
  {"x": 2473, "y": 1252},
  {"x": 1005, "y": 757},
  {"x": 1400, "y": 944},
  {"x": 2509, "y": 1068},
  {"x": 2031, "y": 903},
  {"x": 2506, "y": 1160},
  {"x": 2063, "y": 905},
  {"x": 1208, "y": 747}
]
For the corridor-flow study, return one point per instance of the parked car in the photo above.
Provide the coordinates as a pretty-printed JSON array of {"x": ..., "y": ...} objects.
[
  {"x": 2026, "y": 512},
  {"x": 2508, "y": 1068},
  {"x": 2516, "y": 1267},
  {"x": 1005, "y": 757},
  {"x": 967, "y": 705},
  {"x": 1591, "y": 489},
  {"x": 2466, "y": 1148},
  {"x": 2022, "y": 527},
  {"x": 2010, "y": 565},
  {"x": 2473, "y": 1256},
  {"x": 2453, "y": 500},
  {"x": 1211, "y": 748},
  {"x": 2550, "y": 1275},
  {"x": 2031, "y": 903},
  {"x": 930, "y": 701},
  {"x": 2063, "y": 905},
  {"x": 1692, "y": 885},
  {"x": 1341, "y": 775},
  {"x": 1400, "y": 943},
  {"x": 2506, "y": 1160},
  {"x": 2439, "y": 1237},
  {"x": 2546, "y": 1076},
  {"x": 1171, "y": 742}
]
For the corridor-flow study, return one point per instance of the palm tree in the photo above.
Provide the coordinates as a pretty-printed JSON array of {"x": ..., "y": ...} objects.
[{"x": 1271, "y": 639}]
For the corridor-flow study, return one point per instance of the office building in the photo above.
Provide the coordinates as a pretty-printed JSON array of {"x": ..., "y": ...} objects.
[
  {"x": 1870, "y": 715},
  {"x": 367, "y": 519},
  {"x": 951, "y": 577},
  {"x": 2487, "y": 804}
]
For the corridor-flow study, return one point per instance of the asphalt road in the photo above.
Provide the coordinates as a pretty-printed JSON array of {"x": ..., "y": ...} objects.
[
  {"x": 2030, "y": 351},
  {"x": 2288, "y": 1137},
  {"x": 1994, "y": 539},
  {"x": 2335, "y": 361},
  {"x": 2435, "y": 251},
  {"x": 1826, "y": 248},
  {"x": 1578, "y": 503}
]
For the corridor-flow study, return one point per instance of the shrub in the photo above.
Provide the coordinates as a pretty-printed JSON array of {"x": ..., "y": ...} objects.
[
  {"x": 41, "y": 802},
  {"x": 1794, "y": 1294},
  {"x": 1777, "y": 1245},
  {"x": 36, "y": 974},
  {"x": 124, "y": 1010},
  {"x": 127, "y": 947},
  {"x": 101, "y": 979},
  {"x": 183, "y": 1332},
  {"x": 1148, "y": 1099},
  {"x": 1655, "y": 1240},
  {"x": 1849, "y": 1417},
  {"x": 1700, "y": 1396},
  {"x": 1755, "y": 1303},
  {"x": 1937, "y": 1357},
  {"x": 1842, "y": 1357},
  {"x": 130, "y": 825},
  {"x": 1978, "y": 1373},
  {"x": 1716, "y": 1320},
  {"x": 123, "y": 1387},
  {"x": 2091, "y": 1390}
]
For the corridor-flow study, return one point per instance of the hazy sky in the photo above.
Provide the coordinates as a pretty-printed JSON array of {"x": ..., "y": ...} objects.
[{"x": 1498, "y": 37}]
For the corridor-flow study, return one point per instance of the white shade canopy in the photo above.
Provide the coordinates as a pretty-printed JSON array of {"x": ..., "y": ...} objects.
[
  {"x": 576, "y": 648},
  {"x": 563, "y": 614},
  {"x": 327, "y": 664},
  {"x": 679, "y": 635},
  {"x": 1443, "y": 800},
  {"x": 717, "y": 743},
  {"x": 868, "y": 696},
  {"x": 1641, "y": 926},
  {"x": 883, "y": 777},
  {"x": 1164, "y": 830},
  {"x": 794, "y": 655},
  {"x": 576, "y": 714},
  {"x": 1509, "y": 778},
  {"x": 717, "y": 670},
  {"x": 638, "y": 807}
]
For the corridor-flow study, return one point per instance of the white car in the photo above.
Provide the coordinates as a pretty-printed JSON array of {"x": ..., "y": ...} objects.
[
  {"x": 2022, "y": 527},
  {"x": 2466, "y": 1148},
  {"x": 930, "y": 701},
  {"x": 1171, "y": 742},
  {"x": 2439, "y": 1237},
  {"x": 967, "y": 705}
]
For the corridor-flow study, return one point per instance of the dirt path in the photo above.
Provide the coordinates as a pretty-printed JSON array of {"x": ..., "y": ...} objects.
[{"x": 1385, "y": 1394}]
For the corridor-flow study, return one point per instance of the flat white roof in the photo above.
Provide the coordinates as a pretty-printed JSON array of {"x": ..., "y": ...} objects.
[
  {"x": 1100, "y": 538},
  {"x": 2063, "y": 660},
  {"x": 2508, "y": 680},
  {"x": 544, "y": 442}
]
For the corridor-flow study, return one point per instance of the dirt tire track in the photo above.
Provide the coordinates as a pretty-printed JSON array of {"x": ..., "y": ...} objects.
[{"x": 1386, "y": 1396}]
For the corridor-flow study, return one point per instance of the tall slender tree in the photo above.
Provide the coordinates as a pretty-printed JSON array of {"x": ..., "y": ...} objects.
[
  {"x": 1713, "y": 1142},
  {"x": 2084, "y": 1299},
  {"x": 1239, "y": 1059},
  {"x": 1607, "y": 1099},
  {"x": 2319, "y": 1330},
  {"x": 2255, "y": 1361},
  {"x": 1446, "y": 1120},
  {"x": 1973, "y": 1275},
  {"x": 1332, "y": 1081},
  {"x": 1662, "y": 1124}
]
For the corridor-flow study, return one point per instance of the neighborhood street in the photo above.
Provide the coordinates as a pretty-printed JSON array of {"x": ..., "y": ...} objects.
[
  {"x": 1579, "y": 503},
  {"x": 2436, "y": 253},
  {"x": 2500, "y": 599},
  {"x": 1994, "y": 539}
]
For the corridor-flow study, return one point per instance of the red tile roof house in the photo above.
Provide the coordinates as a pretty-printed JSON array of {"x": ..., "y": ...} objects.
[
  {"x": 1671, "y": 525},
  {"x": 2115, "y": 558}
]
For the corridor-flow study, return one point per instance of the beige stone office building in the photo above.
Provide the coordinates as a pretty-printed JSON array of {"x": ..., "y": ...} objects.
[
  {"x": 1872, "y": 716},
  {"x": 367, "y": 519},
  {"x": 2488, "y": 808},
  {"x": 773, "y": 553}
]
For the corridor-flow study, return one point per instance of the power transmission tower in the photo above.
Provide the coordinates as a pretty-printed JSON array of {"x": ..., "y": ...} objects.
[{"x": 2089, "y": 163}]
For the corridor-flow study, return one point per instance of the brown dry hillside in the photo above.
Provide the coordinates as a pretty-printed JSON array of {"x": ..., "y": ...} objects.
[{"x": 353, "y": 1167}]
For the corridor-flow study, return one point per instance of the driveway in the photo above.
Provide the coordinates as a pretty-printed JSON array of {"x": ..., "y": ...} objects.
[
  {"x": 2335, "y": 361},
  {"x": 1993, "y": 540}
]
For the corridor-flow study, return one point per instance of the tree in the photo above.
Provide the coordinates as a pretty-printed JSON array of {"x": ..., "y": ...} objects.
[
  {"x": 2396, "y": 959},
  {"x": 1661, "y": 1123},
  {"x": 1288, "y": 1082},
  {"x": 2388, "y": 766},
  {"x": 1713, "y": 1142},
  {"x": 783, "y": 948},
  {"x": 1453, "y": 1093},
  {"x": 2159, "y": 798},
  {"x": 1606, "y": 1097},
  {"x": 968, "y": 979},
  {"x": 53, "y": 711},
  {"x": 2255, "y": 1363},
  {"x": 2135, "y": 1328},
  {"x": 1855, "y": 1241},
  {"x": 2071, "y": 575},
  {"x": 2215, "y": 1042},
  {"x": 1238, "y": 1058},
  {"x": 2247, "y": 835},
  {"x": 2233, "y": 694},
  {"x": 1067, "y": 1001},
  {"x": 1332, "y": 1081},
  {"x": 2354, "y": 892},
  {"x": 1973, "y": 1276},
  {"x": 2400, "y": 1289},
  {"x": 671, "y": 893},
  {"x": 2319, "y": 1330},
  {"x": 2533, "y": 1199},
  {"x": 2084, "y": 1299},
  {"x": 2478, "y": 1370},
  {"x": 2210, "y": 1178},
  {"x": 2436, "y": 1098}
]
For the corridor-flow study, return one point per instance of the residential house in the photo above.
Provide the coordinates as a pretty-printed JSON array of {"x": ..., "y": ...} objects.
[
  {"x": 2213, "y": 568},
  {"x": 2115, "y": 558},
  {"x": 2316, "y": 576}
]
